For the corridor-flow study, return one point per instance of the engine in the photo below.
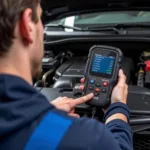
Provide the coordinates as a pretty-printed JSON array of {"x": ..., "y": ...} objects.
[
  {"x": 65, "y": 70},
  {"x": 73, "y": 70}
]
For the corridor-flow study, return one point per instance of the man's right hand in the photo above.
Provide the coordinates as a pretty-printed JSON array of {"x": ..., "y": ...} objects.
[
  {"x": 120, "y": 91},
  {"x": 69, "y": 104}
]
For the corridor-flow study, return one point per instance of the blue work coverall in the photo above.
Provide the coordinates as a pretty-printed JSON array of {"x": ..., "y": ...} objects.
[{"x": 29, "y": 122}]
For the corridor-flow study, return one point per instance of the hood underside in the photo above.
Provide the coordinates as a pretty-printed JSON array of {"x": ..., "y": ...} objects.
[{"x": 53, "y": 9}]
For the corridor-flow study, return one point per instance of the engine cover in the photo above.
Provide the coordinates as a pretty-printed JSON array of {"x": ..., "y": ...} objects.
[{"x": 74, "y": 68}]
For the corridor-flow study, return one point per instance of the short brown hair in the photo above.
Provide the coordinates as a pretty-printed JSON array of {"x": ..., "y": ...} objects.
[{"x": 10, "y": 12}]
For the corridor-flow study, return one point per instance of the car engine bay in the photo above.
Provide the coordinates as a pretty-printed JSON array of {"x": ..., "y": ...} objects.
[
  {"x": 63, "y": 67},
  {"x": 64, "y": 64}
]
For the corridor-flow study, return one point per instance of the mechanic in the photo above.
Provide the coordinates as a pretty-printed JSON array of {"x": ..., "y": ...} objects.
[{"x": 27, "y": 120}]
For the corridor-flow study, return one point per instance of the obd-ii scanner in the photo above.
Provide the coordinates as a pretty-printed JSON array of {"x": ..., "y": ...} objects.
[{"x": 101, "y": 73}]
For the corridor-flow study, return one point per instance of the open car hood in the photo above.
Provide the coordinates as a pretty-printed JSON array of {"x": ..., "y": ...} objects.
[{"x": 53, "y": 9}]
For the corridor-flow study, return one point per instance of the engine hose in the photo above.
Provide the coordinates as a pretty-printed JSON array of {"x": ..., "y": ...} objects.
[
  {"x": 37, "y": 83},
  {"x": 46, "y": 75},
  {"x": 140, "y": 121}
]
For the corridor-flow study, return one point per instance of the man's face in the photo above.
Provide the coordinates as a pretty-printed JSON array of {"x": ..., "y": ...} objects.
[{"x": 38, "y": 48}]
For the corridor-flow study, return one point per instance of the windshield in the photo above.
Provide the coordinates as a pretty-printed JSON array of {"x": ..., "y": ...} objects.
[{"x": 115, "y": 17}]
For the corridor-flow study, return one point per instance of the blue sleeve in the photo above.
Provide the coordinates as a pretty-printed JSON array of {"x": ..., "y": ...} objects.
[
  {"x": 92, "y": 135},
  {"x": 121, "y": 130},
  {"x": 122, "y": 134},
  {"x": 59, "y": 131}
]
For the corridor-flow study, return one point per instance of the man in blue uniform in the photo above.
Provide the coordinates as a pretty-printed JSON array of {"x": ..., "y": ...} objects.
[{"x": 27, "y": 120}]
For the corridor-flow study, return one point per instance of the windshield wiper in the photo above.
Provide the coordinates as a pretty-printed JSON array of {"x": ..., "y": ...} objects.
[
  {"x": 133, "y": 25},
  {"x": 118, "y": 28},
  {"x": 64, "y": 27},
  {"x": 105, "y": 28},
  {"x": 94, "y": 29}
]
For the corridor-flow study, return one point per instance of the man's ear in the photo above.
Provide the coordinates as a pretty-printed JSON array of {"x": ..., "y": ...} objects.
[{"x": 26, "y": 27}]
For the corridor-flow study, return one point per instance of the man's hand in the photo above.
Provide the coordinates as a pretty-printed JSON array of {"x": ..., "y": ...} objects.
[
  {"x": 69, "y": 104},
  {"x": 120, "y": 91},
  {"x": 119, "y": 94}
]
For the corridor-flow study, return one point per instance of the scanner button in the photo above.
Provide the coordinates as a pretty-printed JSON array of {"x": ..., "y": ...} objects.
[
  {"x": 105, "y": 83},
  {"x": 91, "y": 88},
  {"x": 98, "y": 85},
  {"x": 97, "y": 90},
  {"x": 96, "y": 94},
  {"x": 81, "y": 88},
  {"x": 92, "y": 81},
  {"x": 104, "y": 90},
  {"x": 82, "y": 80}
]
